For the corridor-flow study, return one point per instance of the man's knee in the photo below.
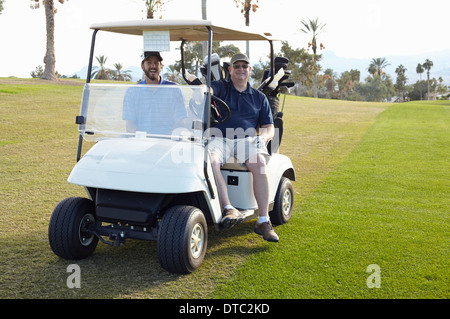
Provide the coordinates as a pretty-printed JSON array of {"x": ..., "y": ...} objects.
[{"x": 256, "y": 164}]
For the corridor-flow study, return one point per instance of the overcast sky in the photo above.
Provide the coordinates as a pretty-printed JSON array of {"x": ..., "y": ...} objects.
[{"x": 354, "y": 28}]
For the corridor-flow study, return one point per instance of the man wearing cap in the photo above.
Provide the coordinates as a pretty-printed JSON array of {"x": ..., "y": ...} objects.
[
  {"x": 151, "y": 65},
  {"x": 238, "y": 137},
  {"x": 153, "y": 110}
]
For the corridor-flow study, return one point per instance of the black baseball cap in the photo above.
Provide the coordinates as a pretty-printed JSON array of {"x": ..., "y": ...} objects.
[{"x": 148, "y": 54}]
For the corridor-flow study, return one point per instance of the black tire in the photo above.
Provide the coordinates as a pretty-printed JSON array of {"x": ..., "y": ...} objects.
[
  {"x": 284, "y": 203},
  {"x": 66, "y": 231},
  {"x": 182, "y": 239}
]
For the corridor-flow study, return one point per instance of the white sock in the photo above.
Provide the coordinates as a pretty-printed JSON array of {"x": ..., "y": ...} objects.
[
  {"x": 228, "y": 207},
  {"x": 263, "y": 219}
]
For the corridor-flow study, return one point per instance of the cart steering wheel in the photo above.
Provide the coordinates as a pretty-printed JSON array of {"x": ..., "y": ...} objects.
[{"x": 220, "y": 111}]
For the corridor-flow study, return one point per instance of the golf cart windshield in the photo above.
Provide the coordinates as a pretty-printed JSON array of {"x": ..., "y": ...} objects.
[
  {"x": 108, "y": 110},
  {"x": 111, "y": 110}
]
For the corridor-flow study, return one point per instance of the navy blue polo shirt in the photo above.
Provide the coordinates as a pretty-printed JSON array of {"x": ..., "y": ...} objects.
[{"x": 248, "y": 108}]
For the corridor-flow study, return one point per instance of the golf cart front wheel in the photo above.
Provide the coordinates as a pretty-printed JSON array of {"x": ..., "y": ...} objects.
[
  {"x": 67, "y": 230},
  {"x": 284, "y": 203},
  {"x": 182, "y": 239}
]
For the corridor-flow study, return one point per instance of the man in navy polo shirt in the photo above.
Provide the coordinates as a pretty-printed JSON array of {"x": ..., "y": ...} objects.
[
  {"x": 238, "y": 137},
  {"x": 153, "y": 110}
]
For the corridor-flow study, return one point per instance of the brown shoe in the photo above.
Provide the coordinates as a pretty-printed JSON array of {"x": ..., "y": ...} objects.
[
  {"x": 266, "y": 230},
  {"x": 231, "y": 217}
]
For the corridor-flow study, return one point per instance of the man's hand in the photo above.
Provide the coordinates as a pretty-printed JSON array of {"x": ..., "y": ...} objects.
[{"x": 267, "y": 132}]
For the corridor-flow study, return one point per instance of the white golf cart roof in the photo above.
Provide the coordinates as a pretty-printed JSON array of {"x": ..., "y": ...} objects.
[{"x": 188, "y": 30}]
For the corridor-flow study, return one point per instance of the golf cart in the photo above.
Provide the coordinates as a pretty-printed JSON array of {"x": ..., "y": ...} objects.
[{"x": 155, "y": 181}]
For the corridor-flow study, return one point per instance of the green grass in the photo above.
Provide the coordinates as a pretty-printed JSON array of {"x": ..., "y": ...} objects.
[
  {"x": 386, "y": 204},
  {"x": 372, "y": 188}
]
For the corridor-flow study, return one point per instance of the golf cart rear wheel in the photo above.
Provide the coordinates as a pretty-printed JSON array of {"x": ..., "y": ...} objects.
[
  {"x": 67, "y": 231},
  {"x": 182, "y": 239},
  {"x": 284, "y": 203}
]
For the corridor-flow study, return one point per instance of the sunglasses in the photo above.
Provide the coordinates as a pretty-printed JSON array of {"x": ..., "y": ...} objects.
[{"x": 237, "y": 66}]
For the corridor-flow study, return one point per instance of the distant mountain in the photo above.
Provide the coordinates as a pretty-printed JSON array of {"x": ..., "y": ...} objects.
[
  {"x": 441, "y": 65},
  {"x": 81, "y": 73},
  {"x": 136, "y": 73}
]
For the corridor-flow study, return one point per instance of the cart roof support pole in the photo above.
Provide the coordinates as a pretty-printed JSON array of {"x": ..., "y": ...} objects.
[
  {"x": 91, "y": 57},
  {"x": 207, "y": 113},
  {"x": 81, "y": 119},
  {"x": 183, "y": 67}
]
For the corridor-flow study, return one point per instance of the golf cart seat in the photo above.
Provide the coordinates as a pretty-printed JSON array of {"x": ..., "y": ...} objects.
[
  {"x": 232, "y": 164},
  {"x": 274, "y": 144}
]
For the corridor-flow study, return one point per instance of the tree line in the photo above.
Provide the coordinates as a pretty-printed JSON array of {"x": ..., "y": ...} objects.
[
  {"x": 306, "y": 72},
  {"x": 348, "y": 85}
]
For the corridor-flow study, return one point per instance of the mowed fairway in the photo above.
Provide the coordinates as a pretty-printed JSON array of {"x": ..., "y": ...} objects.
[
  {"x": 372, "y": 188},
  {"x": 387, "y": 205}
]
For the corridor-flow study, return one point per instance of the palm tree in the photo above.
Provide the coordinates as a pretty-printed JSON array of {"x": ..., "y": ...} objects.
[
  {"x": 400, "y": 70},
  {"x": 224, "y": 50},
  {"x": 103, "y": 73},
  {"x": 419, "y": 70},
  {"x": 193, "y": 57},
  {"x": 246, "y": 6},
  {"x": 173, "y": 74},
  {"x": 427, "y": 66},
  {"x": 152, "y": 6},
  {"x": 377, "y": 66},
  {"x": 314, "y": 28},
  {"x": 49, "y": 59},
  {"x": 119, "y": 75},
  {"x": 401, "y": 80},
  {"x": 329, "y": 80}
]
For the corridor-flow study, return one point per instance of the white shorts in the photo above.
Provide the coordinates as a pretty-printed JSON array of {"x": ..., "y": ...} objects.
[{"x": 242, "y": 148}]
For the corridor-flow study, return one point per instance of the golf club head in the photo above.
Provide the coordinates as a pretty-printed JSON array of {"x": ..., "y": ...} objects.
[{"x": 280, "y": 59}]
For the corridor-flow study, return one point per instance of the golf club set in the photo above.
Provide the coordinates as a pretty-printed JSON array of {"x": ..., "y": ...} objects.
[{"x": 272, "y": 88}]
